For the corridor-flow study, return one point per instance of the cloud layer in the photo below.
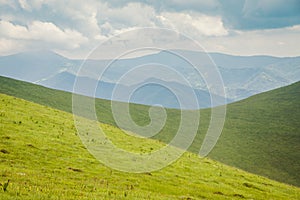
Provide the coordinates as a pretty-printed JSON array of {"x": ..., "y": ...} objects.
[{"x": 76, "y": 27}]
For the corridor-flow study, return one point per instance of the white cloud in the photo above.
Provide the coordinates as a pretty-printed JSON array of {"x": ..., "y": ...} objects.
[
  {"x": 76, "y": 27},
  {"x": 78, "y": 15},
  {"x": 142, "y": 15},
  {"x": 276, "y": 42},
  {"x": 131, "y": 15},
  {"x": 24, "y": 5},
  {"x": 9, "y": 3},
  {"x": 43, "y": 32},
  {"x": 12, "y": 31},
  {"x": 8, "y": 46},
  {"x": 193, "y": 24}
]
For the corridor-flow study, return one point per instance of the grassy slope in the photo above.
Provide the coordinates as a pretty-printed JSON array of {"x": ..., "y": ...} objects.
[
  {"x": 261, "y": 133},
  {"x": 44, "y": 159}
]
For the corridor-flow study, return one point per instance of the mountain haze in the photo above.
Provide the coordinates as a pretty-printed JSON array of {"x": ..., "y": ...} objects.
[{"x": 243, "y": 76}]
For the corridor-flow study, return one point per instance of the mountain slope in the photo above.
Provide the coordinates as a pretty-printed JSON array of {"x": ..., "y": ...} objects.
[
  {"x": 261, "y": 133},
  {"x": 32, "y": 66},
  {"x": 43, "y": 158}
]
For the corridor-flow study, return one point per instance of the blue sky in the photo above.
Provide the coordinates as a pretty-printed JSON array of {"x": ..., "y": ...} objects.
[{"x": 73, "y": 28}]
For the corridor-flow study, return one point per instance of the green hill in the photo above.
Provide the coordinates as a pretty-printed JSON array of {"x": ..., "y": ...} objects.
[
  {"x": 42, "y": 156},
  {"x": 261, "y": 134}
]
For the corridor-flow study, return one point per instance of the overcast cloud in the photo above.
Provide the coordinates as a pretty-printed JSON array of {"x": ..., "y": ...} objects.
[{"x": 74, "y": 28}]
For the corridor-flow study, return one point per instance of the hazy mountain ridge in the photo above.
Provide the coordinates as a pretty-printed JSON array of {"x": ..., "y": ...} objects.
[
  {"x": 243, "y": 76},
  {"x": 149, "y": 92}
]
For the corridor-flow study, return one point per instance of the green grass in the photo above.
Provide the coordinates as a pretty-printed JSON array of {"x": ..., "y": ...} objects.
[
  {"x": 44, "y": 158},
  {"x": 261, "y": 134}
]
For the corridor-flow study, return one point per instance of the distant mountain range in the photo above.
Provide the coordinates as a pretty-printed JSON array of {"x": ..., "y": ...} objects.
[{"x": 243, "y": 76}]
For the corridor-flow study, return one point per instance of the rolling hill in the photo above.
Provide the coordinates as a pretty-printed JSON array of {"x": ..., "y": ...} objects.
[
  {"x": 261, "y": 134},
  {"x": 43, "y": 158}
]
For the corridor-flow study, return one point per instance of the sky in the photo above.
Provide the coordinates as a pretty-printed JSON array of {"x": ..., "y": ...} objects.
[{"x": 74, "y": 28}]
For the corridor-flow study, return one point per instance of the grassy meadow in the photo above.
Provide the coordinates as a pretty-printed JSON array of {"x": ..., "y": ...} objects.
[{"x": 43, "y": 157}]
